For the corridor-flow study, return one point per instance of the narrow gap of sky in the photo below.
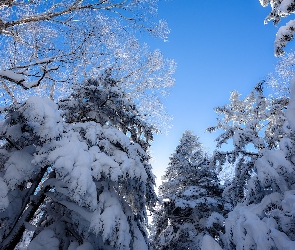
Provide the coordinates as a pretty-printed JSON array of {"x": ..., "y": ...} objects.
[{"x": 219, "y": 46}]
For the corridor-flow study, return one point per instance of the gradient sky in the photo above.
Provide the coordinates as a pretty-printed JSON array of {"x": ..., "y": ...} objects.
[{"x": 219, "y": 46}]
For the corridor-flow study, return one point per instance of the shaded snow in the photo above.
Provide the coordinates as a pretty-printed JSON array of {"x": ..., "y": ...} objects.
[
  {"x": 209, "y": 243},
  {"x": 3, "y": 195},
  {"x": 46, "y": 240}
]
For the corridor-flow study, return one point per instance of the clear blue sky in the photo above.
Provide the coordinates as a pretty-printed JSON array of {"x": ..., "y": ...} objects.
[{"x": 219, "y": 46}]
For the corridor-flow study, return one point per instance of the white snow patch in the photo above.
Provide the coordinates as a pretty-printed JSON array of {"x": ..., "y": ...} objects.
[{"x": 12, "y": 75}]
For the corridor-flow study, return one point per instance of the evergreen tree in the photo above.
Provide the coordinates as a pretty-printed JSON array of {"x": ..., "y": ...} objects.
[
  {"x": 252, "y": 125},
  {"x": 262, "y": 189},
  {"x": 191, "y": 199},
  {"x": 77, "y": 174}
]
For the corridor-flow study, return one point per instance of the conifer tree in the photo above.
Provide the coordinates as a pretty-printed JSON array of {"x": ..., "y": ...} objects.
[
  {"x": 76, "y": 174},
  {"x": 262, "y": 189},
  {"x": 251, "y": 126},
  {"x": 191, "y": 199}
]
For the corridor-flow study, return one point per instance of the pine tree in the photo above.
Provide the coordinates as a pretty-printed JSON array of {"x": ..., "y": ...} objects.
[
  {"x": 77, "y": 173},
  {"x": 191, "y": 199}
]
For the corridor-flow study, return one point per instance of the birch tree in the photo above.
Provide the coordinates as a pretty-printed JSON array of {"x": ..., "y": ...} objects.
[{"x": 49, "y": 46}]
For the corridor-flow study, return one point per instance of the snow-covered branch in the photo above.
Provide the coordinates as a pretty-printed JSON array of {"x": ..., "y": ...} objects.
[{"x": 279, "y": 9}]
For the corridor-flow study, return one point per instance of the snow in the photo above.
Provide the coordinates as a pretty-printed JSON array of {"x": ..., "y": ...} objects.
[
  {"x": 103, "y": 164},
  {"x": 283, "y": 36},
  {"x": 288, "y": 203},
  {"x": 85, "y": 246},
  {"x": 264, "y": 3},
  {"x": 19, "y": 166},
  {"x": 73, "y": 245},
  {"x": 281, "y": 240},
  {"x": 139, "y": 242},
  {"x": 4, "y": 202},
  {"x": 31, "y": 84},
  {"x": 209, "y": 243},
  {"x": 273, "y": 169},
  {"x": 284, "y": 6},
  {"x": 99, "y": 185},
  {"x": 213, "y": 218},
  {"x": 192, "y": 203},
  {"x": 114, "y": 135},
  {"x": 250, "y": 230},
  {"x": 18, "y": 78},
  {"x": 290, "y": 113},
  {"x": 247, "y": 228},
  {"x": 72, "y": 162},
  {"x": 93, "y": 131},
  {"x": 42, "y": 115},
  {"x": 194, "y": 191},
  {"x": 46, "y": 240},
  {"x": 108, "y": 216},
  {"x": 44, "y": 60},
  {"x": 286, "y": 145}
]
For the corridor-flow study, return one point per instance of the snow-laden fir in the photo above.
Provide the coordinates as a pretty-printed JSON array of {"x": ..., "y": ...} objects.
[{"x": 71, "y": 172}]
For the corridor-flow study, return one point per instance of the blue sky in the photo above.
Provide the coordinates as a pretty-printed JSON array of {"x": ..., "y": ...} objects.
[{"x": 219, "y": 46}]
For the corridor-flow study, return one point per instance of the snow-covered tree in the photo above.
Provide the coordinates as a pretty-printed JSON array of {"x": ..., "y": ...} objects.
[
  {"x": 192, "y": 206},
  {"x": 279, "y": 9},
  {"x": 76, "y": 174},
  {"x": 262, "y": 189},
  {"x": 46, "y": 47},
  {"x": 252, "y": 125},
  {"x": 75, "y": 170},
  {"x": 279, "y": 80},
  {"x": 265, "y": 219},
  {"x": 42, "y": 38}
]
